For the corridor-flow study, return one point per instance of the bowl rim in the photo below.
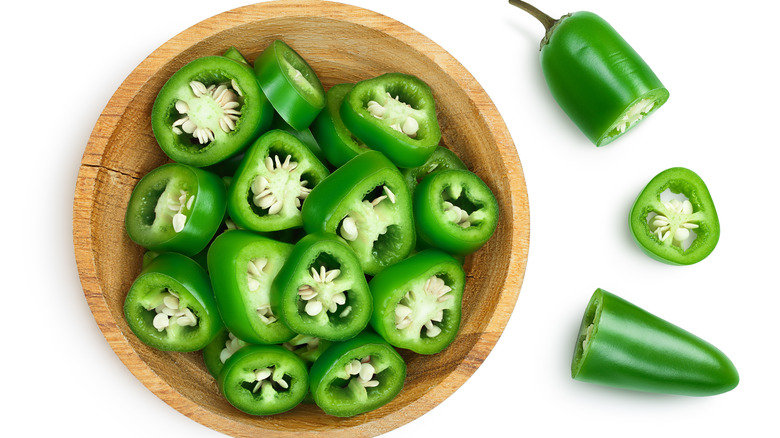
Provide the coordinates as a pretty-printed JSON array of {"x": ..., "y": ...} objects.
[{"x": 107, "y": 123}]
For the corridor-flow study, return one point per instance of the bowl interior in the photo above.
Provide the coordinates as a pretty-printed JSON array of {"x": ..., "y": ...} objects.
[{"x": 342, "y": 44}]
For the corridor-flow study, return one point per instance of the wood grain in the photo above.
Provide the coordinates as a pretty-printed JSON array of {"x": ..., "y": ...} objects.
[{"x": 343, "y": 44}]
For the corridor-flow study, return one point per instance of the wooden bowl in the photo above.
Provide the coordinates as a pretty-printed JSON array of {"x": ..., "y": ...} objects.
[{"x": 343, "y": 44}]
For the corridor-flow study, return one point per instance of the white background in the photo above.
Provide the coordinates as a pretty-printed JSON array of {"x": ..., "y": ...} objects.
[{"x": 62, "y": 61}]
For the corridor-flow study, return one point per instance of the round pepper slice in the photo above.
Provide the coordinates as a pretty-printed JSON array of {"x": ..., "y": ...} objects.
[
  {"x": 367, "y": 203},
  {"x": 275, "y": 176},
  {"x": 321, "y": 290},
  {"x": 242, "y": 266},
  {"x": 171, "y": 306},
  {"x": 678, "y": 231},
  {"x": 209, "y": 110},
  {"x": 455, "y": 211},
  {"x": 596, "y": 77},
  {"x": 338, "y": 144},
  {"x": 357, "y": 376},
  {"x": 417, "y": 302},
  {"x": 396, "y": 114},
  {"x": 291, "y": 84},
  {"x": 264, "y": 380},
  {"x": 175, "y": 207},
  {"x": 623, "y": 346}
]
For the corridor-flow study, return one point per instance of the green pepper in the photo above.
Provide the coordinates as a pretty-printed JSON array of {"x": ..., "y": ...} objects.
[
  {"x": 275, "y": 176},
  {"x": 291, "y": 84},
  {"x": 242, "y": 266},
  {"x": 441, "y": 159},
  {"x": 209, "y": 110},
  {"x": 455, "y": 211},
  {"x": 170, "y": 305},
  {"x": 623, "y": 346},
  {"x": 596, "y": 77},
  {"x": 366, "y": 202},
  {"x": 675, "y": 231},
  {"x": 304, "y": 135},
  {"x": 356, "y": 376},
  {"x": 264, "y": 380},
  {"x": 175, "y": 207},
  {"x": 321, "y": 290},
  {"x": 417, "y": 302},
  {"x": 338, "y": 144},
  {"x": 308, "y": 348},
  {"x": 396, "y": 114},
  {"x": 233, "y": 53},
  {"x": 219, "y": 350}
]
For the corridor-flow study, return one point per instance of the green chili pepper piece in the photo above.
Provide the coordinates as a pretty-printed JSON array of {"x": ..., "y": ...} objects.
[
  {"x": 208, "y": 111},
  {"x": 623, "y": 346},
  {"x": 338, "y": 144},
  {"x": 596, "y": 77},
  {"x": 264, "y": 379},
  {"x": 304, "y": 135},
  {"x": 171, "y": 306},
  {"x": 441, "y": 159},
  {"x": 678, "y": 231},
  {"x": 357, "y": 376},
  {"x": 395, "y": 114}
]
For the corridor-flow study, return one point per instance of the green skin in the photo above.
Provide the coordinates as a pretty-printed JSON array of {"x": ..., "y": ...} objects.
[
  {"x": 256, "y": 112},
  {"x": 237, "y": 380},
  {"x": 401, "y": 149},
  {"x": 328, "y": 378},
  {"x": 177, "y": 273},
  {"x": 149, "y": 223},
  {"x": 228, "y": 259},
  {"x": 233, "y": 53},
  {"x": 212, "y": 351},
  {"x": 273, "y": 143},
  {"x": 312, "y": 251},
  {"x": 389, "y": 287},
  {"x": 386, "y": 233},
  {"x": 297, "y": 98},
  {"x": 338, "y": 144},
  {"x": 632, "y": 349},
  {"x": 677, "y": 180},
  {"x": 437, "y": 228},
  {"x": 304, "y": 135},
  {"x": 594, "y": 74},
  {"x": 441, "y": 159}
]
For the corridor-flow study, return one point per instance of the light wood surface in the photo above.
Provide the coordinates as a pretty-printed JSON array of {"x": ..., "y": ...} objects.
[{"x": 343, "y": 44}]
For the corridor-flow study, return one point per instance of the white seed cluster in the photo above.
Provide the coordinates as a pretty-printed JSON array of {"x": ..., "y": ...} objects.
[
  {"x": 169, "y": 312},
  {"x": 254, "y": 275},
  {"x": 232, "y": 345},
  {"x": 363, "y": 371},
  {"x": 634, "y": 114},
  {"x": 662, "y": 227},
  {"x": 316, "y": 296},
  {"x": 405, "y": 124},
  {"x": 405, "y": 315},
  {"x": 349, "y": 230},
  {"x": 176, "y": 205},
  {"x": 265, "y": 377},
  {"x": 268, "y": 198},
  {"x": 459, "y": 216},
  {"x": 226, "y": 96}
]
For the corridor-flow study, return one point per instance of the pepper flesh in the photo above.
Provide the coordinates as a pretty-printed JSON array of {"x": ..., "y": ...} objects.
[{"x": 623, "y": 346}]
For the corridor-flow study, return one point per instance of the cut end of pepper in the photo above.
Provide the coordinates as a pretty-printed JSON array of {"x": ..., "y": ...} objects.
[
  {"x": 634, "y": 113},
  {"x": 587, "y": 332}
]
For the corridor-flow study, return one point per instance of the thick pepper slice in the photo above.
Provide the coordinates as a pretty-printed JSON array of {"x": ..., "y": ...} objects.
[
  {"x": 242, "y": 266},
  {"x": 357, "y": 376},
  {"x": 209, "y": 110},
  {"x": 304, "y": 135},
  {"x": 441, "y": 159},
  {"x": 175, "y": 207},
  {"x": 455, "y": 211},
  {"x": 321, "y": 290},
  {"x": 366, "y": 202},
  {"x": 171, "y": 306},
  {"x": 338, "y": 144},
  {"x": 275, "y": 176},
  {"x": 264, "y": 380},
  {"x": 623, "y": 346},
  {"x": 291, "y": 84},
  {"x": 417, "y": 302},
  {"x": 596, "y": 77},
  {"x": 675, "y": 231},
  {"x": 395, "y": 114}
]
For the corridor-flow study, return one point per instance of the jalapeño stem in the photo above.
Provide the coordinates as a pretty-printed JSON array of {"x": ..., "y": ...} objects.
[{"x": 547, "y": 21}]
